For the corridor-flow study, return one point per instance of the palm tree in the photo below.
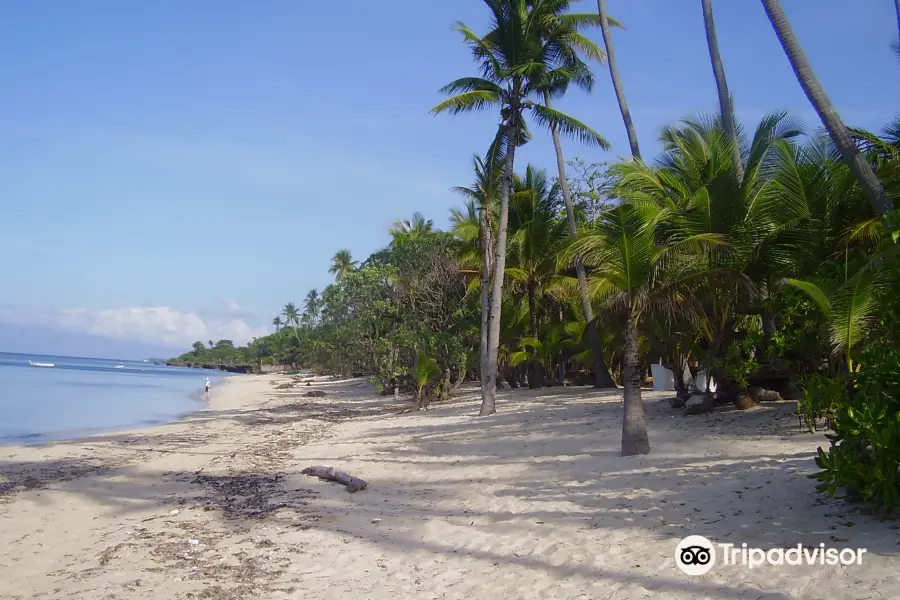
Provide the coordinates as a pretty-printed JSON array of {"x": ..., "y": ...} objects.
[
  {"x": 514, "y": 62},
  {"x": 483, "y": 197},
  {"x": 579, "y": 73},
  {"x": 848, "y": 307},
  {"x": 626, "y": 258},
  {"x": 535, "y": 233},
  {"x": 292, "y": 318},
  {"x": 341, "y": 264},
  {"x": 725, "y": 107},
  {"x": 735, "y": 222},
  {"x": 839, "y": 249},
  {"x": 617, "y": 83},
  {"x": 411, "y": 229},
  {"x": 311, "y": 304},
  {"x": 277, "y": 323},
  {"x": 839, "y": 133}
]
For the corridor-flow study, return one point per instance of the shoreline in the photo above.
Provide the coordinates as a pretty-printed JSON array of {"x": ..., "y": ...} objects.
[
  {"x": 74, "y": 435},
  {"x": 533, "y": 502}
]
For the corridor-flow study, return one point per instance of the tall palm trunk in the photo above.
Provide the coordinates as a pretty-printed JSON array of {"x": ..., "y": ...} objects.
[
  {"x": 617, "y": 84},
  {"x": 635, "y": 439},
  {"x": 489, "y": 378},
  {"x": 486, "y": 249},
  {"x": 725, "y": 108},
  {"x": 861, "y": 170},
  {"x": 601, "y": 373}
]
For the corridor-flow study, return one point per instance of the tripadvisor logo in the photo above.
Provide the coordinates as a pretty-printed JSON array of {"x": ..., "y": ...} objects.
[{"x": 696, "y": 555}]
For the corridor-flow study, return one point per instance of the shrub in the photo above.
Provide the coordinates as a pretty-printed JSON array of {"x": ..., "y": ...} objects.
[
  {"x": 864, "y": 457},
  {"x": 821, "y": 396}
]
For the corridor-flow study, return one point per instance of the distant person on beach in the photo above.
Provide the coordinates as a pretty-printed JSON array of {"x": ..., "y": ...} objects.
[{"x": 207, "y": 386}]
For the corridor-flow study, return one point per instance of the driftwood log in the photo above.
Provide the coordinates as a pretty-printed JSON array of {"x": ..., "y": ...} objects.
[{"x": 354, "y": 484}]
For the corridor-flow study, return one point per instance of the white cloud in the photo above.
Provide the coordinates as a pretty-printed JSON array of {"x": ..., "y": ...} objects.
[{"x": 158, "y": 324}]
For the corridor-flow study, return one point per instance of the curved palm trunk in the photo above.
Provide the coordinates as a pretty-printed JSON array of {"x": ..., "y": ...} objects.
[
  {"x": 602, "y": 377},
  {"x": 725, "y": 108},
  {"x": 489, "y": 378},
  {"x": 617, "y": 84},
  {"x": 635, "y": 439},
  {"x": 861, "y": 170}
]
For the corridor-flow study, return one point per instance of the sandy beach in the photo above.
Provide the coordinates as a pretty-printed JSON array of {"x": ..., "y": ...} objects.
[{"x": 533, "y": 502}]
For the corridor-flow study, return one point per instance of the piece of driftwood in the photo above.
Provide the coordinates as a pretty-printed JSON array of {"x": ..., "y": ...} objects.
[{"x": 354, "y": 484}]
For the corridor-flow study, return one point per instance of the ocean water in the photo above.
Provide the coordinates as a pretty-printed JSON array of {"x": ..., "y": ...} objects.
[{"x": 81, "y": 396}]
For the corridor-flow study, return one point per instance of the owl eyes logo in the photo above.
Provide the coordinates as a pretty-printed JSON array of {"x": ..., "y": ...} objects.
[{"x": 695, "y": 555}]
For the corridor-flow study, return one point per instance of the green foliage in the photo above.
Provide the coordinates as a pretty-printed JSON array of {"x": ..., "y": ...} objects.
[
  {"x": 427, "y": 372},
  {"x": 822, "y": 395},
  {"x": 739, "y": 362},
  {"x": 779, "y": 266},
  {"x": 865, "y": 449}
]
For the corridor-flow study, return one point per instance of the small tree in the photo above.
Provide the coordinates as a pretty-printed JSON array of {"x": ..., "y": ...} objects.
[{"x": 426, "y": 372}]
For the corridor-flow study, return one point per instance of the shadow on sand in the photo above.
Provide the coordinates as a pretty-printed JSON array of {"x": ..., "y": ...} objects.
[{"x": 565, "y": 448}]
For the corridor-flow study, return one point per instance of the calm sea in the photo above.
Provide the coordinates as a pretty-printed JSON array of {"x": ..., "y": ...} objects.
[{"x": 80, "y": 396}]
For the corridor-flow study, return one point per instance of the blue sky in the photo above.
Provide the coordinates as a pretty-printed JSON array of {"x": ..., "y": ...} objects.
[{"x": 206, "y": 159}]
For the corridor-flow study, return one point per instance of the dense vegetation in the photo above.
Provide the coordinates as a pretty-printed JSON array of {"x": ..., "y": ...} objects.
[{"x": 764, "y": 255}]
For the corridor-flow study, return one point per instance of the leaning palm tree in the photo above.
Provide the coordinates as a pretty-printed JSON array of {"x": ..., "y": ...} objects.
[
  {"x": 839, "y": 133},
  {"x": 514, "y": 61},
  {"x": 341, "y": 264},
  {"x": 726, "y": 110},
  {"x": 579, "y": 73},
  {"x": 616, "y": 81}
]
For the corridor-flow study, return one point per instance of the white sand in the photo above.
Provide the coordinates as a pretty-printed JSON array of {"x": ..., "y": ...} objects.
[{"x": 533, "y": 502}]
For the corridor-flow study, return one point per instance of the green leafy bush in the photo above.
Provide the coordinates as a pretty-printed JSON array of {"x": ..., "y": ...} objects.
[
  {"x": 864, "y": 458},
  {"x": 821, "y": 396}
]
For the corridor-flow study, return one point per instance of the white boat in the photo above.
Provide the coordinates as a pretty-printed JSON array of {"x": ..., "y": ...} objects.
[
  {"x": 40, "y": 364},
  {"x": 118, "y": 366}
]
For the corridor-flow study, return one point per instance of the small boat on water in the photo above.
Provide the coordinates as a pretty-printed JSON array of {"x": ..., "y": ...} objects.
[
  {"x": 118, "y": 366},
  {"x": 40, "y": 364}
]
